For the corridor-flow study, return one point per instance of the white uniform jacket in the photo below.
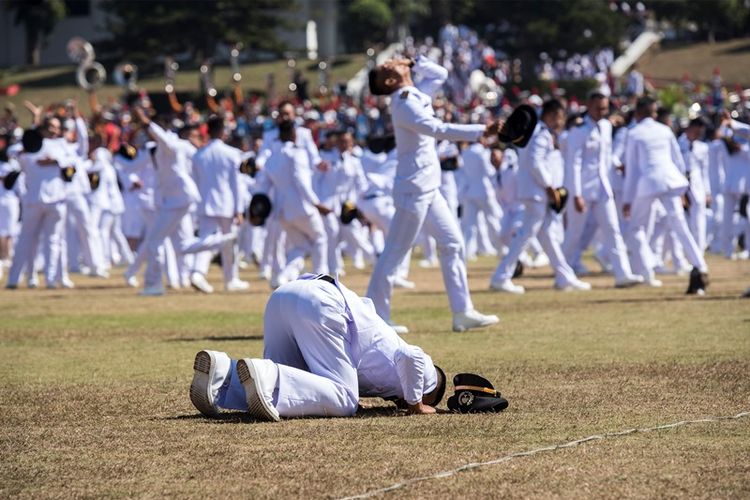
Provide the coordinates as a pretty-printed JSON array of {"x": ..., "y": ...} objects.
[
  {"x": 653, "y": 162},
  {"x": 216, "y": 172},
  {"x": 588, "y": 158}
]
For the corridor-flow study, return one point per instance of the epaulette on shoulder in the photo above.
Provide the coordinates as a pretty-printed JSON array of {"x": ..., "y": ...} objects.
[{"x": 404, "y": 94}]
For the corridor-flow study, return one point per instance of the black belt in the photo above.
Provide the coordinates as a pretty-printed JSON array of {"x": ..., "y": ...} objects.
[{"x": 372, "y": 196}]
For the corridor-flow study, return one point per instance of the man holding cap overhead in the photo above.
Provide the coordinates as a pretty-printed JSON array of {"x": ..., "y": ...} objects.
[{"x": 416, "y": 191}]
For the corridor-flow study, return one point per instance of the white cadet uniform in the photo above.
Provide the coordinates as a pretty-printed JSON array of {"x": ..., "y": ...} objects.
[
  {"x": 110, "y": 219},
  {"x": 303, "y": 139},
  {"x": 540, "y": 163},
  {"x": 587, "y": 164},
  {"x": 216, "y": 173},
  {"x": 416, "y": 194},
  {"x": 288, "y": 172},
  {"x": 175, "y": 194},
  {"x": 736, "y": 183},
  {"x": 10, "y": 204},
  {"x": 695, "y": 156},
  {"x": 43, "y": 214},
  {"x": 716, "y": 149},
  {"x": 332, "y": 350},
  {"x": 478, "y": 197},
  {"x": 652, "y": 173}
]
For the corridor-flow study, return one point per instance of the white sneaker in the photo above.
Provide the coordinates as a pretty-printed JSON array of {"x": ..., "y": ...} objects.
[
  {"x": 199, "y": 282},
  {"x": 152, "y": 291},
  {"x": 243, "y": 265},
  {"x": 265, "y": 274},
  {"x": 236, "y": 285},
  {"x": 131, "y": 281},
  {"x": 629, "y": 281},
  {"x": 67, "y": 283},
  {"x": 743, "y": 255},
  {"x": 427, "y": 263},
  {"x": 258, "y": 377},
  {"x": 507, "y": 286},
  {"x": 540, "y": 260},
  {"x": 399, "y": 329},
  {"x": 404, "y": 283},
  {"x": 577, "y": 285},
  {"x": 210, "y": 371},
  {"x": 653, "y": 282},
  {"x": 472, "y": 319}
]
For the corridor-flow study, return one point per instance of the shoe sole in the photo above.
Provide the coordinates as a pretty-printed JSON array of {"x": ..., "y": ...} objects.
[
  {"x": 256, "y": 404},
  {"x": 203, "y": 372}
]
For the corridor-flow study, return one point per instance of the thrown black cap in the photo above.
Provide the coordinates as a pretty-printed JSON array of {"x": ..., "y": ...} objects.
[
  {"x": 127, "y": 150},
  {"x": 259, "y": 209},
  {"x": 519, "y": 127},
  {"x": 349, "y": 212}
]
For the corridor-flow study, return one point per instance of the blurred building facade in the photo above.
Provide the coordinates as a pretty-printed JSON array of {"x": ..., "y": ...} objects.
[{"x": 87, "y": 18}]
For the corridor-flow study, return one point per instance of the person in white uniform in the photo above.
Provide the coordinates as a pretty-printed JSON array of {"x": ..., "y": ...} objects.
[
  {"x": 735, "y": 158},
  {"x": 652, "y": 173},
  {"x": 416, "y": 193},
  {"x": 10, "y": 209},
  {"x": 540, "y": 170},
  {"x": 478, "y": 197},
  {"x": 304, "y": 138},
  {"x": 588, "y": 160},
  {"x": 695, "y": 155},
  {"x": 318, "y": 361},
  {"x": 43, "y": 209},
  {"x": 175, "y": 194},
  {"x": 216, "y": 173},
  {"x": 298, "y": 209}
]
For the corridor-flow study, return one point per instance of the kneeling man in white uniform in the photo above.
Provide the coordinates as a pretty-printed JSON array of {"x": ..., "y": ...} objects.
[{"x": 324, "y": 347}]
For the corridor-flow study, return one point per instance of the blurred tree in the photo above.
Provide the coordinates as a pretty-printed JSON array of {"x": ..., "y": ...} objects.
[
  {"x": 142, "y": 30},
  {"x": 713, "y": 18},
  {"x": 366, "y": 22},
  {"x": 38, "y": 18}
]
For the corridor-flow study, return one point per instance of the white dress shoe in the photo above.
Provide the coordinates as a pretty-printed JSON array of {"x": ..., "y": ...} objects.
[
  {"x": 540, "y": 260},
  {"x": 258, "y": 377},
  {"x": 152, "y": 291},
  {"x": 507, "y": 286},
  {"x": 573, "y": 286},
  {"x": 653, "y": 282},
  {"x": 199, "y": 282},
  {"x": 404, "y": 283},
  {"x": 629, "y": 281},
  {"x": 210, "y": 369},
  {"x": 236, "y": 285},
  {"x": 399, "y": 329},
  {"x": 131, "y": 281},
  {"x": 67, "y": 283},
  {"x": 472, "y": 319}
]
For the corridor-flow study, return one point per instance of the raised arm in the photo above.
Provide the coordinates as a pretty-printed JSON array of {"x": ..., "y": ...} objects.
[{"x": 413, "y": 115}]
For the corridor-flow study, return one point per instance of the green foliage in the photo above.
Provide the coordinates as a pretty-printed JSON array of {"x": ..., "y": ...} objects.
[
  {"x": 367, "y": 21},
  {"x": 38, "y": 18},
  {"x": 714, "y": 18},
  {"x": 143, "y": 29}
]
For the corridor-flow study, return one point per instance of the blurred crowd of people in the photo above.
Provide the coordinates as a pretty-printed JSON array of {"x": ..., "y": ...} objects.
[{"x": 169, "y": 191}]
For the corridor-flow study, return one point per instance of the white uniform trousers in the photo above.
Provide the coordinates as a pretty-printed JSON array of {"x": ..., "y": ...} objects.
[
  {"x": 172, "y": 222},
  {"x": 41, "y": 223},
  {"x": 380, "y": 211},
  {"x": 731, "y": 227},
  {"x": 696, "y": 219},
  {"x": 304, "y": 235},
  {"x": 332, "y": 227},
  {"x": 715, "y": 223},
  {"x": 110, "y": 226},
  {"x": 415, "y": 211},
  {"x": 472, "y": 229},
  {"x": 604, "y": 213},
  {"x": 539, "y": 221},
  {"x": 642, "y": 257},
  {"x": 355, "y": 236},
  {"x": 307, "y": 335},
  {"x": 206, "y": 227},
  {"x": 83, "y": 234}
]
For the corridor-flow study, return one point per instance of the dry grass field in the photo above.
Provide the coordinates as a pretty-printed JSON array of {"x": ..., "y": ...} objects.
[{"x": 94, "y": 396}]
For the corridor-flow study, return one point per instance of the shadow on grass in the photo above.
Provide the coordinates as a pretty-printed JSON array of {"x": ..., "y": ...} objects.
[
  {"x": 745, "y": 47},
  {"x": 682, "y": 298},
  {"x": 228, "y": 338},
  {"x": 245, "y": 418}
]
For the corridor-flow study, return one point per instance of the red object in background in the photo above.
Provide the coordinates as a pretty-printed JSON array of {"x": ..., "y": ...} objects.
[{"x": 10, "y": 90}]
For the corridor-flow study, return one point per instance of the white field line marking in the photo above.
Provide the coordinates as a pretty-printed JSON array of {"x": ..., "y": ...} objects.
[{"x": 569, "y": 444}]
